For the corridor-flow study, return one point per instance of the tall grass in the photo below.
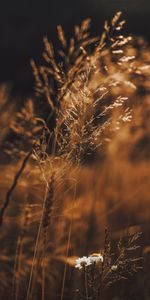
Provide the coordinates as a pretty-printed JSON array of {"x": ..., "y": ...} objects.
[{"x": 78, "y": 170}]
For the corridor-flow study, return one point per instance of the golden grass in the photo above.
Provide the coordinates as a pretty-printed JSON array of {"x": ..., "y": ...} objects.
[{"x": 87, "y": 168}]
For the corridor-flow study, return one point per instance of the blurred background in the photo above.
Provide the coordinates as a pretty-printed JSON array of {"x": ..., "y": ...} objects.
[{"x": 24, "y": 23}]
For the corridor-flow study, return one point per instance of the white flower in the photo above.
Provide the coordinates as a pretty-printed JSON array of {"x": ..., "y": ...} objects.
[
  {"x": 96, "y": 258},
  {"x": 114, "y": 268},
  {"x": 87, "y": 261},
  {"x": 82, "y": 262}
]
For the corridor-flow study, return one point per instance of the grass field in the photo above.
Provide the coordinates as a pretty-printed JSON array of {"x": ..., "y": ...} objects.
[{"x": 74, "y": 174}]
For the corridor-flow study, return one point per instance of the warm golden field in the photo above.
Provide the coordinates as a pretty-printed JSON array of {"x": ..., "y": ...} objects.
[{"x": 84, "y": 183}]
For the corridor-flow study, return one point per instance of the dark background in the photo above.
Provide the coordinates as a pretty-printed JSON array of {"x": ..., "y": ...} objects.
[{"x": 23, "y": 24}]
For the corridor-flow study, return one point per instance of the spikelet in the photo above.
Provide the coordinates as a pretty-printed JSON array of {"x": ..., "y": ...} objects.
[{"x": 48, "y": 206}]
